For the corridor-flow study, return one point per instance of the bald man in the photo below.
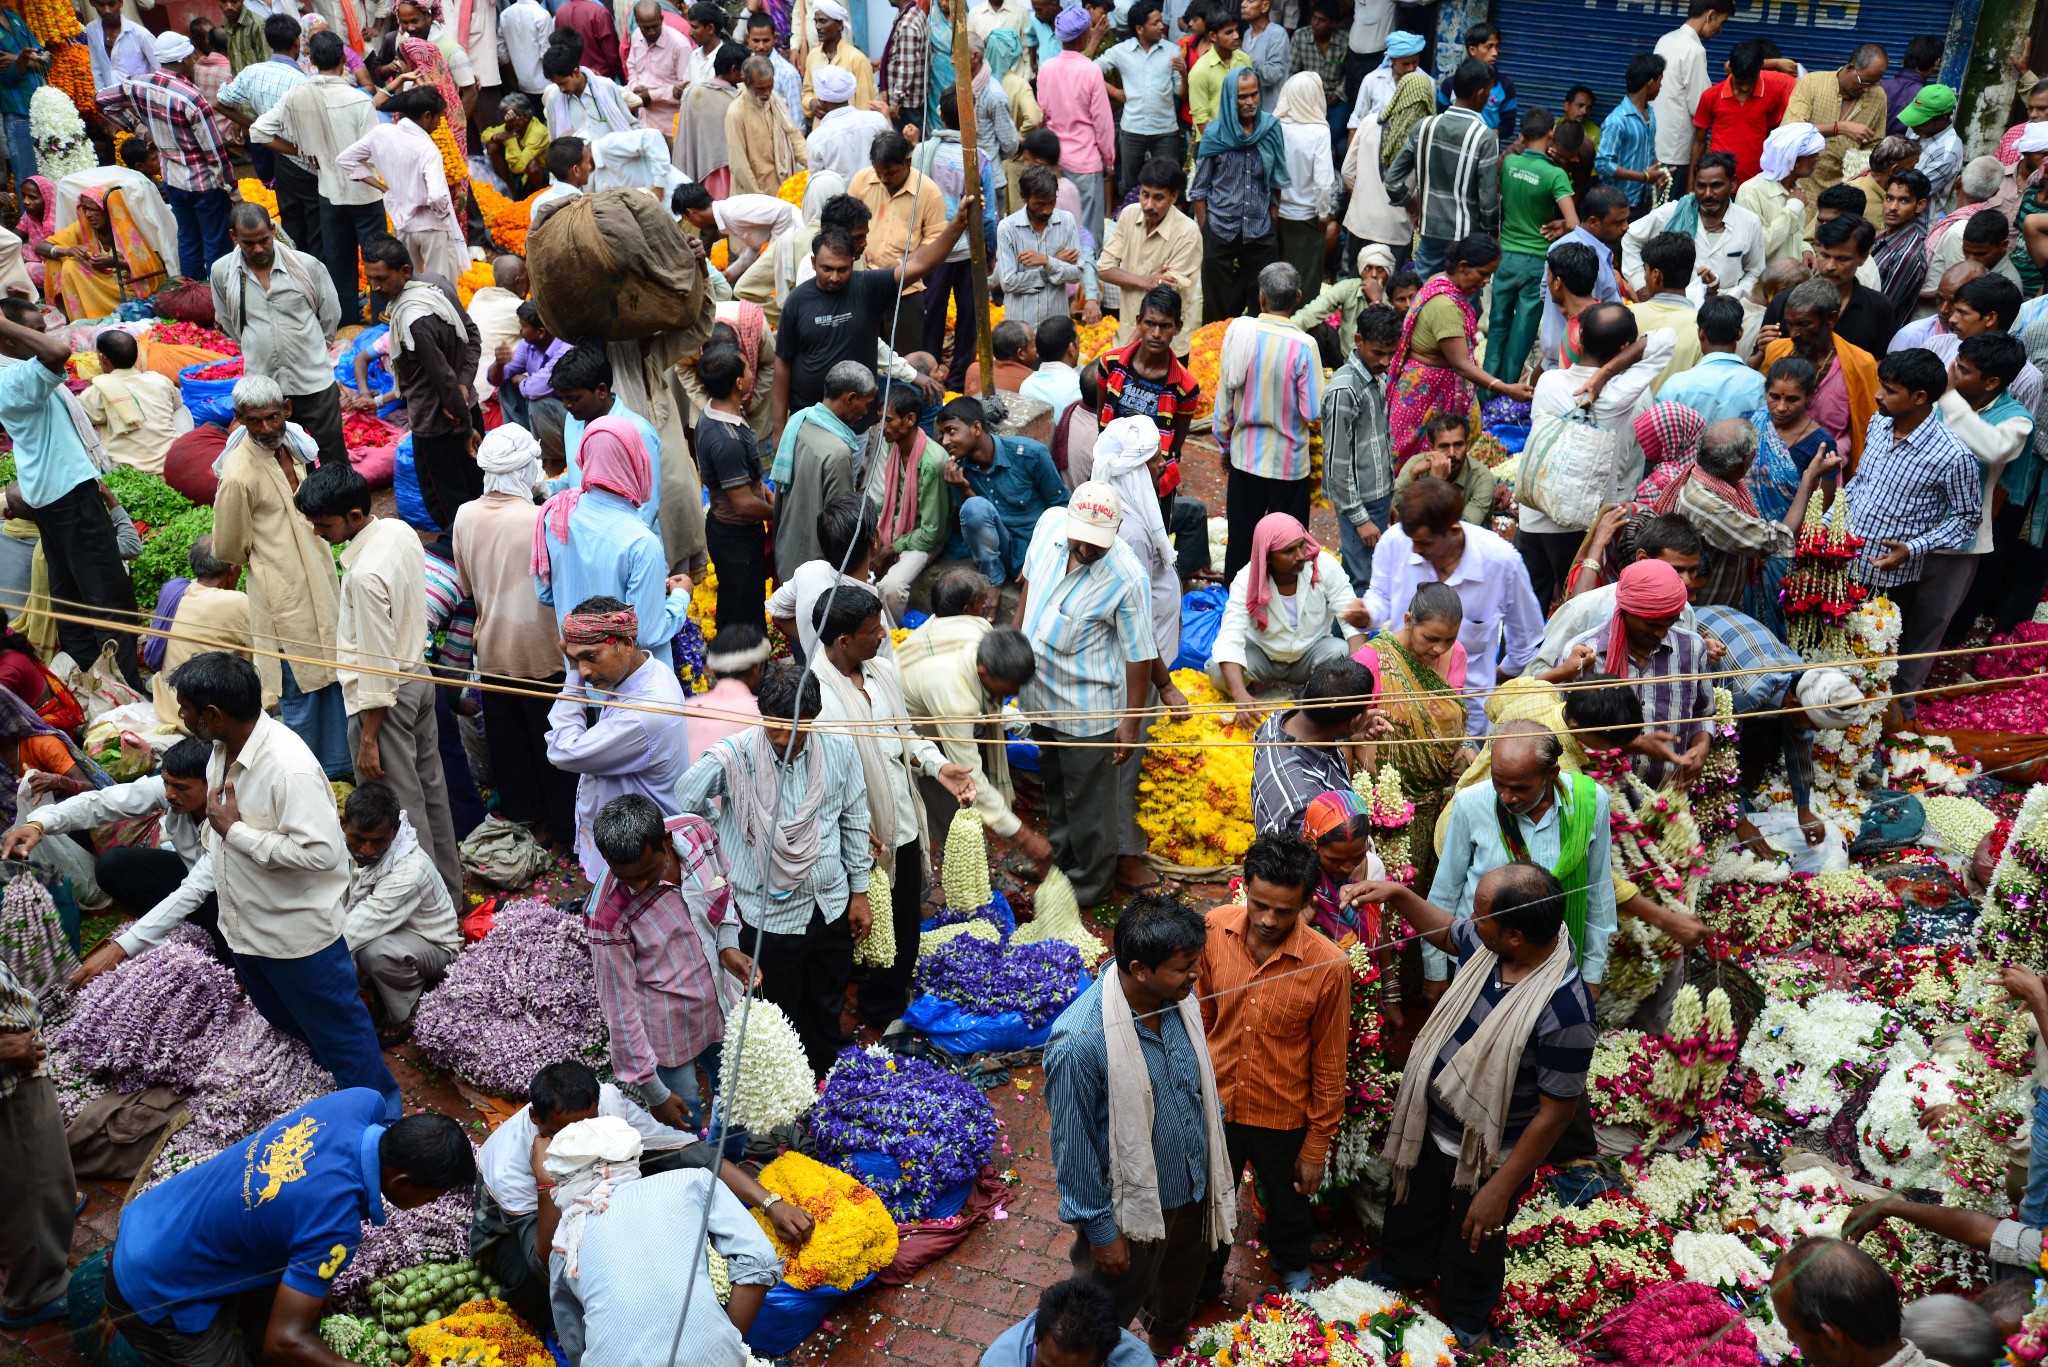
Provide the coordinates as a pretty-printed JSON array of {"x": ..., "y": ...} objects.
[
  {"x": 495, "y": 311},
  {"x": 657, "y": 67},
  {"x": 1923, "y": 330},
  {"x": 1840, "y": 1308},
  {"x": 1529, "y": 810}
]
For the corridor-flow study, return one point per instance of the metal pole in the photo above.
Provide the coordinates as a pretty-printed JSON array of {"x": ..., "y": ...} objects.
[{"x": 977, "y": 237}]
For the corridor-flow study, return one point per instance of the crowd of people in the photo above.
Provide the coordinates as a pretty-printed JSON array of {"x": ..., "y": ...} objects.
[{"x": 1736, "y": 306}]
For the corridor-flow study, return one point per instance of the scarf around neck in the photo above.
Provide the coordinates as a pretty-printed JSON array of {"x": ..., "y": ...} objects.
[
  {"x": 784, "y": 468},
  {"x": 1227, "y": 133},
  {"x": 899, "y": 489},
  {"x": 789, "y": 848},
  {"x": 419, "y": 299},
  {"x": 882, "y": 699}
]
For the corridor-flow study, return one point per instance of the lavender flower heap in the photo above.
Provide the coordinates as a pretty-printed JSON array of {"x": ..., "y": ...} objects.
[
  {"x": 154, "y": 1021},
  {"x": 518, "y": 1001},
  {"x": 1035, "y": 981},
  {"x": 937, "y": 1127},
  {"x": 32, "y": 943}
]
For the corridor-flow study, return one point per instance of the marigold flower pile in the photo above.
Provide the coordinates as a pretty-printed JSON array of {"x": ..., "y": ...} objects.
[{"x": 852, "y": 1232}]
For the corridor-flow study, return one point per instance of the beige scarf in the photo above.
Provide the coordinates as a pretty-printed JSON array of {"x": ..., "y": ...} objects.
[
  {"x": 765, "y": 150},
  {"x": 1478, "y": 1084},
  {"x": 885, "y": 699},
  {"x": 1133, "y": 1173}
]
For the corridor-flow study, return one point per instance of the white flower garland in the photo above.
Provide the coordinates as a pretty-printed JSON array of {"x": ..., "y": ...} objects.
[
  {"x": 62, "y": 146},
  {"x": 1737, "y": 865},
  {"x": 774, "y": 1085},
  {"x": 1893, "y": 1147},
  {"x": 1722, "y": 1261},
  {"x": 1799, "y": 1052},
  {"x": 1960, "y": 822}
]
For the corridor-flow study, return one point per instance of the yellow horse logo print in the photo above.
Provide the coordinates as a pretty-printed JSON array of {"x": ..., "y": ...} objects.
[{"x": 284, "y": 1158}]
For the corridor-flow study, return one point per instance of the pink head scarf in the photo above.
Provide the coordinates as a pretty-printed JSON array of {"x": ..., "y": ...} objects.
[
  {"x": 34, "y": 229},
  {"x": 1648, "y": 588},
  {"x": 612, "y": 457},
  {"x": 1274, "y": 531}
]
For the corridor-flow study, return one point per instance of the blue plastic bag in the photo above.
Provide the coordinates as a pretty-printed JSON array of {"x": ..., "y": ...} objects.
[
  {"x": 405, "y": 483},
  {"x": 383, "y": 384},
  {"x": 209, "y": 400},
  {"x": 1023, "y": 755},
  {"x": 879, "y": 1170},
  {"x": 962, "y": 1032},
  {"x": 1006, "y": 919},
  {"x": 788, "y": 1316},
  {"x": 1201, "y": 617}
]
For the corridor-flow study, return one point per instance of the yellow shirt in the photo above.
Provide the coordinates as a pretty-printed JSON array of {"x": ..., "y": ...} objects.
[
  {"x": 1205, "y": 87},
  {"x": 903, "y": 222},
  {"x": 1817, "y": 99},
  {"x": 848, "y": 58},
  {"x": 523, "y": 150},
  {"x": 1174, "y": 249}
]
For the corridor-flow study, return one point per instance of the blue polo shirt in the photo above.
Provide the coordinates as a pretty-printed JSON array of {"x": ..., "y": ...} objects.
[
  {"x": 1022, "y": 482},
  {"x": 49, "y": 456},
  {"x": 292, "y": 1196}
]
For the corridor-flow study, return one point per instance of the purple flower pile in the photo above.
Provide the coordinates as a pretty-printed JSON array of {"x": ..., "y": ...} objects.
[
  {"x": 937, "y": 1126},
  {"x": 949, "y": 916},
  {"x": 156, "y": 1020},
  {"x": 253, "y": 1076},
  {"x": 521, "y": 999},
  {"x": 437, "y": 1232},
  {"x": 32, "y": 942},
  {"x": 1035, "y": 981}
]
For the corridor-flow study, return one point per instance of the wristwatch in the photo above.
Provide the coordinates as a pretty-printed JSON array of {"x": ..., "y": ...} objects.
[{"x": 770, "y": 1203}]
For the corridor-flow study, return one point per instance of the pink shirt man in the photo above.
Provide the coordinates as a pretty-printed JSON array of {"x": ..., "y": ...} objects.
[
  {"x": 726, "y": 696},
  {"x": 1076, "y": 105},
  {"x": 658, "y": 68}
]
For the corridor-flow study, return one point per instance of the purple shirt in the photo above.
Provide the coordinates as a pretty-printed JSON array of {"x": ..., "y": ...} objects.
[
  {"x": 625, "y": 750},
  {"x": 535, "y": 367}
]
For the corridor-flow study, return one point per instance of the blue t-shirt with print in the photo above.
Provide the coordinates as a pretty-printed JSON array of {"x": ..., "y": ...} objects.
[{"x": 289, "y": 1201}]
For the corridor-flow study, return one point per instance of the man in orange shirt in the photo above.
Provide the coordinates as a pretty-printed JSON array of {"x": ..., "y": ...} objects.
[{"x": 1277, "y": 1007}]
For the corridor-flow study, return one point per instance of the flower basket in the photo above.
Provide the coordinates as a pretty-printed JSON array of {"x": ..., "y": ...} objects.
[{"x": 788, "y": 1316}]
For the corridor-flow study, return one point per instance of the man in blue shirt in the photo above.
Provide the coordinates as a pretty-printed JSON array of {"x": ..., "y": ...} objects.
[
  {"x": 60, "y": 483},
  {"x": 280, "y": 1212},
  {"x": 1722, "y": 384},
  {"x": 1628, "y": 136},
  {"x": 1151, "y": 74},
  {"x": 1502, "y": 112},
  {"x": 23, "y": 61},
  {"x": 582, "y": 380},
  {"x": 1009, "y": 482},
  {"x": 1074, "y": 1325}
]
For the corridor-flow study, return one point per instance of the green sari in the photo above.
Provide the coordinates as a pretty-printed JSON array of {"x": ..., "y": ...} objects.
[{"x": 1430, "y": 723}]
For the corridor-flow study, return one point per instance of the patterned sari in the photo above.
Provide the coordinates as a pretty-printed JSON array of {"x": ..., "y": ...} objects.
[
  {"x": 1430, "y": 712},
  {"x": 89, "y": 292},
  {"x": 1421, "y": 388},
  {"x": 1772, "y": 481}
]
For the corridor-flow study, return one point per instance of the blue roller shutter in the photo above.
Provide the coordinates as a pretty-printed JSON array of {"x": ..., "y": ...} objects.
[{"x": 1549, "y": 46}]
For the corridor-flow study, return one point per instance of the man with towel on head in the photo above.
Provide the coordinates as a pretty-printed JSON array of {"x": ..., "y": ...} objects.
[
  {"x": 843, "y": 130},
  {"x": 1644, "y": 646},
  {"x": 835, "y": 50}
]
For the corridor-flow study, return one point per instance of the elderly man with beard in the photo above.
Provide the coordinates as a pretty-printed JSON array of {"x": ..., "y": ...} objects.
[
  {"x": 294, "y": 597},
  {"x": 1845, "y": 400},
  {"x": 280, "y": 304},
  {"x": 765, "y": 145}
]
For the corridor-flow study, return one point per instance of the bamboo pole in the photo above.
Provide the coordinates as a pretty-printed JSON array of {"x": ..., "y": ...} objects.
[{"x": 970, "y": 163}]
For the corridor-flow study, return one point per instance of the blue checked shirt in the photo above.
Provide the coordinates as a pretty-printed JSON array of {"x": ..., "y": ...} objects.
[
  {"x": 1628, "y": 140},
  {"x": 1751, "y": 646},
  {"x": 1926, "y": 490},
  {"x": 1086, "y": 625},
  {"x": 1151, "y": 86},
  {"x": 259, "y": 86}
]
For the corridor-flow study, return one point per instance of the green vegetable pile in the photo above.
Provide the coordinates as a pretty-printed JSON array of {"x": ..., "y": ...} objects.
[
  {"x": 147, "y": 498},
  {"x": 358, "y": 1340},
  {"x": 404, "y": 1300},
  {"x": 164, "y": 556}
]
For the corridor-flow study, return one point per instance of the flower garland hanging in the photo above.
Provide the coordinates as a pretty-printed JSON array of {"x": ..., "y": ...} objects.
[
  {"x": 852, "y": 1233},
  {"x": 1716, "y": 802},
  {"x": 1389, "y": 813},
  {"x": 878, "y": 948},
  {"x": 1819, "y": 592},
  {"x": 62, "y": 145},
  {"x": 1056, "y": 915},
  {"x": 774, "y": 1084},
  {"x": 1370, "y": 1081},
  {"x": 1655, "y": 839},
  {"x": 937, "y": 1127},
  {"x": 2012, "y": 925},
  {"x": 964, "y": 872}
]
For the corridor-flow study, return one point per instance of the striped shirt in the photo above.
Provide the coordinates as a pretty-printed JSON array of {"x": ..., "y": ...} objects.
[
  {"x": 173, "y": 113},
  {"x": 1287, "y": 774},
  {"x": 1628, "y": 142},
  {"x": 1735, "y": 542},
  {"x": 1751, "y": 646},
  {"x": 451, "y": 618},
  {"x": 1449, "y": 166},
  {"x": 1086, "y": 624},
  {"x": 1032, "y": 294},
  {"x": 1077, "y": 1097},
  {"x": 20, "y": 1015},
  {"x": 844, "y": 811},
  {"x": 1358, "y": 446},
  {"x": 1671, "y": 701},
  {"x": 1924, "y": 489},
  {"x": 1269, "y": 389},
  {"x": 1277, "y": 1031},
  {"x": 661, "y": 998},
  {"x": 1554, "y": 1059},
  {"x": 260, "y": 85}
]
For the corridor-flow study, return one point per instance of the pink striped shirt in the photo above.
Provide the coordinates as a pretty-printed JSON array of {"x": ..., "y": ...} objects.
[{"x": 1076, "y": 105}]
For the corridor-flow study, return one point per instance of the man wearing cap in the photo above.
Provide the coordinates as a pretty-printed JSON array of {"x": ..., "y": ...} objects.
[
  {"x": 641, "y": 748},
  {"x": 834, "y": 51},
  {"x": 166, "y": 107},
  {"x": 1075, "y": 98},
  {"x": 842, "y": 132},
  {"x": 1930, "y": 121},
  {"x": 1086, "y": 606}
]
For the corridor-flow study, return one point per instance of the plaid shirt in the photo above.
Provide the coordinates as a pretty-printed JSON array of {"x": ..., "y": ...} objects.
[
  {"x": 174, "y": 115},
  {"x": 905, "y": 72},
  {"x": 1328, "y": 65},
  {"x": 1925, "y": 490},
  {"x": 1736, "y": 543},
  {"x": 258, "y": 87},
  {"x": 1451, "y": 162},
  {"x": 1671, "y": 700},
  {"x": 1358, "y": 448},
  {"x": 1287, "y": 774},
  {"x": 19, "y": 1015}
]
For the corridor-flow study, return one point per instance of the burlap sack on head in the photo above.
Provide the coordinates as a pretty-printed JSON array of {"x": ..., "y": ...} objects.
[{"x": 612, "y": 266}]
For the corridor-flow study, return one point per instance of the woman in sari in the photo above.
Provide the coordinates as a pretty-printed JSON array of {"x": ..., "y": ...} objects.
[
  {"x": 38, "y": 220},
  {"x": 54, "y": 768},
  {"x": 1434, "y": 369},
  {"x": 1336, "y": 825},
  {"x": 1417, "y": 673},
  {"x": 23, "y": 673},
  {"x": 100, "y": 258}
]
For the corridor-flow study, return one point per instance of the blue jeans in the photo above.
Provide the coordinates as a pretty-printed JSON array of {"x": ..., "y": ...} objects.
[
  {"x": 682, "y": 1080},
  {"x": 1356, "y": 558},
  {"x": 2034, "y": 1205},
  {"x": 21, "y": 145},
  {"x": 321, "y": 720},
  {"x": 316, "y": 1000},
  {"x": 202, "y": 229},
  {"x": 989, "y": 540},
  {"x": 1429, "y": 255}
]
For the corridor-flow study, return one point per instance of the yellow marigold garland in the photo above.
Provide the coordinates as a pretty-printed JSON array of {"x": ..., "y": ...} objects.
[
  {"x": 477, "y": 277},
  {"x": 55, "y": 25},
  {"x": 451, "y": 160},
  {"x": 481, "y": 1333},
  {"x": 1194, "y": 804},
  {"x": 505, "y": 219},
  {"x": 852, "y": 1232},
  {"x": 256, "y": 192},
  {"x": 1205, "y": 358},
  {"x": 793, "y": 188}
]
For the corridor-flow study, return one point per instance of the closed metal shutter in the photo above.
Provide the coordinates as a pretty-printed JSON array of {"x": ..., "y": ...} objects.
[{"x": 1549, "y": 46}]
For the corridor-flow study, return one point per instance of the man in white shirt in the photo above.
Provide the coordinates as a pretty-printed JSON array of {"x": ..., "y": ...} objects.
[
  {"x": 401, "y": 927},
  {"x": 120, "y": 47},
  {"x": 281, "y": 307},
  {"x": 278, "y": 864},
  {"x": 382, "y": 626},
  {"x": 1686, "y": 78},
  {"x": 841, "y": 136},
  {"x": 749, "y": 222},
  {"x": 1430, "y": 541},
  {"x": 162, "y": 886},
  {"x": 1728, "y": 240},
  {"x": 1057, "y": 381},
  {"x": 1629, "y": 365},
  {"x": 524, "y": 28}
]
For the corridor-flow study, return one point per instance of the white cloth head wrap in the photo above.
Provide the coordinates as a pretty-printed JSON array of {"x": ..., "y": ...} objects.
[
  {"x": 2033, "y": 138},
  {"x": 172, "y": 47},
  {"x": 1122, "y": 451},
  {"x": 1828, "y": 697},
  {"x": 588, "y": 1160},
  {"x": 1786, "y": 145},
  {"x": 830, "y": 9},
  {"x": 1375, "y": 254},
  {"x": 510, "y": 459},
  {"x": 833, "y": 84}
]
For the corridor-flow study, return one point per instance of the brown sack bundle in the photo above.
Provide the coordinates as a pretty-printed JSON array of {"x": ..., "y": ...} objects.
[{"x": 612, "y": 266}]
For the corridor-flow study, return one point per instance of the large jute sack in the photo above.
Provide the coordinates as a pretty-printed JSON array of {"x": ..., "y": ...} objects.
[{"x": 612, "y": 267}]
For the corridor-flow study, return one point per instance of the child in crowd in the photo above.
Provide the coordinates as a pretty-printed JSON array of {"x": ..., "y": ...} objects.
[{"x": 531, "y": 402}]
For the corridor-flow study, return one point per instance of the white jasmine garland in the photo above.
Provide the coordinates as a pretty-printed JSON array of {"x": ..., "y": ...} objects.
[
  {"x": 774, "y": 1085},
  {"x": 62, "y": 146},
  {"x": 1722, "y": 1261},
  {"x": 1808, "y": 1057},
  {"x": 1961, "y": 822},
  {"x": 1893, "y": 1147},
  {"x": 1737, "y": 865}
]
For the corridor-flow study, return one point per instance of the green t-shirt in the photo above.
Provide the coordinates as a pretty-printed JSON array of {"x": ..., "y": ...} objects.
[{"x": 1530, "y": 187}]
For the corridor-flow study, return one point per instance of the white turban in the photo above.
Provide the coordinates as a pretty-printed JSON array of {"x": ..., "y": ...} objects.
[
  {"x": 1828, "y": 695},
  {"x": 2033, "y": 138},
  {"x": 1374, "y": 254},
  {"x": 172, "y": 47},
  {"x": 587, "y": 1160},
  {"x": 1123, "y": 450},
  {"x": 829, "y": 9},
  {"x": 833, "y": 84},
  {"x": 510, "y": 459},
  {"x": 1786, "y": 145}
]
